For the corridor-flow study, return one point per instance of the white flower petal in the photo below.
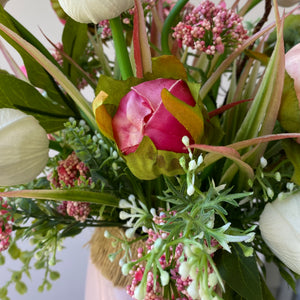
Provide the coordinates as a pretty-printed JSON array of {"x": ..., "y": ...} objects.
[
  {"x": 280, "y": 228},
  {"x": 94, "y": 11},
  {"x": 23, "y": 147}
]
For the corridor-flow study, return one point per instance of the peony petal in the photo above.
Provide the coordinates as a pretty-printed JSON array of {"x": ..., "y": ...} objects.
[
  {"x": 166, "y": 132},
  {"x": 151, "y": 90},
  {"x": 128, "y": 122}
]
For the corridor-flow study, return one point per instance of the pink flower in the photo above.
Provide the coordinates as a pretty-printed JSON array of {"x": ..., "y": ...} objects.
[{"x": 142, "y": 113}]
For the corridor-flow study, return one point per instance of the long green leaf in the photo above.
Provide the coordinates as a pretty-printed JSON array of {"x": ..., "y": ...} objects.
[
  {"x": 74, "y": 39},
  {"x": 18, "y": 94},
  {"x": 65, "y": 195},
  {"x": 78, "y": 98},
  {"x": 36, "y": 73}
]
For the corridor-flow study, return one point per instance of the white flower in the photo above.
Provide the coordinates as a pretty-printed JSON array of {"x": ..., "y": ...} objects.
[
  {"x": 287, "y": 3},
  {"x": 280, "y": 228},
  {"x": 94, "y": 11},
  {"x": 23, "y": 147}
]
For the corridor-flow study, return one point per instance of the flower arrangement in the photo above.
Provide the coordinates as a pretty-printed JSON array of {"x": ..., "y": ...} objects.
[{"x": 190, "y": 149}]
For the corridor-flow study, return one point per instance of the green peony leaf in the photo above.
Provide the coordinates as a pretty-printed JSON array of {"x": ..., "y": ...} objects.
[
  {"x": 289, "y": 112},
  {"x": 148, "y": 163},
  {"x": 240, "y": 273},
  {"x": 292, "y": 150}
]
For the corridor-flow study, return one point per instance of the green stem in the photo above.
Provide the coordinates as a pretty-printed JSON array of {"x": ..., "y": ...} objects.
[
  {"x": 121, "y": 48},
  {"x": 169, "y": 23}
]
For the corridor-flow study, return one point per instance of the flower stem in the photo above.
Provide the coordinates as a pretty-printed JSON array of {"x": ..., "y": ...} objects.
[
  {"x": 121, "y": 48},
  {"x": 168, "y": 23}
]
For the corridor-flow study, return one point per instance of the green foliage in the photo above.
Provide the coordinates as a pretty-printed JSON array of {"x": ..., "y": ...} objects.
[
  {"x": 16, "y": 93},
  {"x": 240, "y": 273}
]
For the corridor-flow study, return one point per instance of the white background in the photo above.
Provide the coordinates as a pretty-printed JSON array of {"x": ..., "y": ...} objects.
[{"x": 37, "y": 15}]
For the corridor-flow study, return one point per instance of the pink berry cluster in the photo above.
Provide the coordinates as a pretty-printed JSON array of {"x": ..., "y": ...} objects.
[
  {"x": 71, "y": 172},
  {"x": 171, "y": 265},
  {"x": 209, "y": 28},
  {"x": 6, "y": 225}
]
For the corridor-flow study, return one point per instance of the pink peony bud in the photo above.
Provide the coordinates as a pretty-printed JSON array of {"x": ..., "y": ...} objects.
[{"x": 142, "y": 113}]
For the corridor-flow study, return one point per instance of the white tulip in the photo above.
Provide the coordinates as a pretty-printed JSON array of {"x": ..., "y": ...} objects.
[
  {"x": 280, "y": 228},
  {"x": 287, "y": 3},
  {"x": 23, "y": 147},
  {"x": 94, "y": 11}
]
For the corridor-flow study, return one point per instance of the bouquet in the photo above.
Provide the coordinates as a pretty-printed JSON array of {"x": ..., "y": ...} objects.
[{"x": 188, "y": 156}]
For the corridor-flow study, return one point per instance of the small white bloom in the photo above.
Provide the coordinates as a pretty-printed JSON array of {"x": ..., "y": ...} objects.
[
  {"x": 164, "y": 278},
  {"x": 140, "y": 292},
  {"x": 184, "y": 270},
  {"x": 186, "y": 141},
  {"x": 23, "y": 147},
  {"x": 94, "y": 11},
  {"x": 190, "y": 190},
  {"x": 130, "y": 232},
  {"x": 192, "y": 165},
  {"x": 193, "y": 290},
  {"x": 263, "y": 162},
  {"x": 124, "y": 204},
  {"x": 280, "y": 228},
  {"x": 270, "y": 192},
  {"x": 124, "y": 215}
]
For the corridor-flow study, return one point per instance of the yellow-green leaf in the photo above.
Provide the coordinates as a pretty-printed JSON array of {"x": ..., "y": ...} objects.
[{"x": 190, "y": 117}]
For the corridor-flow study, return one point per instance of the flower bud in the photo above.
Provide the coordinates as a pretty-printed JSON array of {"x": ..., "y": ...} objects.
[
  {"x": 23, "y": 147},
  {"x": 94, "y": 11},
  {"x": 280, "y": 228}
]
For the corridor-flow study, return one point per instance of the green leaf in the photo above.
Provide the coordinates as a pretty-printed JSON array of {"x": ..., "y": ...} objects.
[
  {"x": 18, "y": 94},
  {"x": 148, "y": 163},
  {"x": 291, "y": 34},
  {"x": 36, "y": 74},
  {"x": 14, "y": 251},
  {"x": 65, "y": 83},
  {"x": 190, "y": 117},
  {"x": 74, "y": 40},
  {"x": 21, "y": 287},
  {"x": 240, "y": 273},
  {"x": 289, "y": 112},
  {"x": 292, "y": 150},
  {"x": 66, "y": 195},
  {"x": 54, "y": 275}
]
